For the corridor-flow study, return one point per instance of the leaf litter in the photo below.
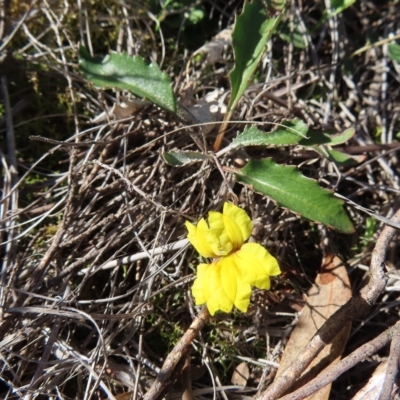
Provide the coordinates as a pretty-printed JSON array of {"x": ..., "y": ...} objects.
[{"x": 96, "y": 272}]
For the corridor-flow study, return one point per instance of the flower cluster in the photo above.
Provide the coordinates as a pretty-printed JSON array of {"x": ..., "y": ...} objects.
[{"x": 236, "y": 266}]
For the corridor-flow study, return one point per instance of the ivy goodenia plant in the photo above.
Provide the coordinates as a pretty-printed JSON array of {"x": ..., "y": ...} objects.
[{"x": 283, "y": 184}]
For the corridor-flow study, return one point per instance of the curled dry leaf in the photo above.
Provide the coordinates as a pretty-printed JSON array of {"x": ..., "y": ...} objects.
[
  {"x": 215, "y": 48},
  {"x": 241, "y": 374},
  {"x": 127, "y": 108},
  {"x": 209, "y": 109},
  {"x": 124, "y": 109},
  {"x": 330, "y": 291}
]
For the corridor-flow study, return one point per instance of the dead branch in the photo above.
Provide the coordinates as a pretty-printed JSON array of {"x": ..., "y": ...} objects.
[{"x": 162, "y": 380}]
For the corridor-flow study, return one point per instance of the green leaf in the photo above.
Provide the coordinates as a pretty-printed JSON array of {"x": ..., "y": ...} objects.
[
  {"x": 196, "y": 15},
  {"x": 339, "y": 6},
  {"x": 275, "y": 5},
  {"x": 179, "y": 158},
  {"x": 296, "y": 37},
  {"x": 342, "y": 137},
  {"x": 290, "y": 132},
  {"x": 318, "y": 137},
  {"x": 394, "y": 51},
  {"x": 290, "y": 189},
  {"x": 129, "y": 73},
  {"x": 341, "y": 159},
  {"x": 249, "y": 38}
]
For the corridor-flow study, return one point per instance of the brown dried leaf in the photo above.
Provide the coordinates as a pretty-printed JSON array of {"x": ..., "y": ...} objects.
[
  {"x": 127, "y": 108},
  {"x": 124, "y": 396},
  {"x": 241, "y": 374},
  {"x": 372, "y": 389},
  {"x": 330, "y": 291},
  {"x": 215, "y": 48},
  {"x": 208, "y": 111}
]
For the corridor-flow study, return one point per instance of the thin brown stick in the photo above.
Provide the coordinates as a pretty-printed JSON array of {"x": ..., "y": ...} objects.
[
  {"x": 376, "y": 44},
  {"x": 355, "y": 308},
  {"x": 331, "y": 373},
  {"x": 45, "y": 261},
  {"x": 222, "y": 131},
  {"x": 392, "y": 368},
  {"x": 67, "y": 144},
  {"x": 186, "y": 379},
  {"x": 175, "y": 356}
]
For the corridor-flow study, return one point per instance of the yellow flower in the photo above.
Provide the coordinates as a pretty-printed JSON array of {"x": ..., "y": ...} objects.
[{"x": 237, "y": 265}]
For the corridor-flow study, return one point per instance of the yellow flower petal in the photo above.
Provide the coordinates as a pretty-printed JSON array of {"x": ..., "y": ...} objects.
[
  {"x": 224, "y": 233},
  {"x": 200, "y": 291},
  {"x": 234, "y": 233},
  {"x": 243, "y": 295},
  {"x": 241, "y": 219},
  {"x": 219, "y": 302},
  {"x": 210, "y": 237},
  {"x": 232, "y": 227},
  {"x": 207, "y": 288},
  {"x": 228, "y": 277},
  {"x": 256, "y": 265},
  {"x": 217, "y": 226},
  {"x": 202, "y": 238},
  {"x": 227, "y": 281},
  {"x": 236, "y": 290},
  {"x": 218, "y": 285}
]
